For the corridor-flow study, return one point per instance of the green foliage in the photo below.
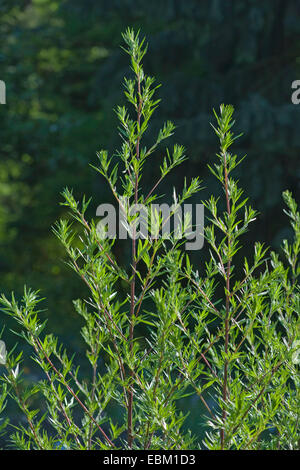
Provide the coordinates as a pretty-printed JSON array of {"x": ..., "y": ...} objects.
[
  {"x": 62, "y": 66},
  {"x": 231, "y": 340}
]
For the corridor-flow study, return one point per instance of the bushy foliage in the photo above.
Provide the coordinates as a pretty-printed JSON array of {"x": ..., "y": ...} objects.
[
  {"x": 227, "y": 334},
  {"x": 60, "y": 91}
]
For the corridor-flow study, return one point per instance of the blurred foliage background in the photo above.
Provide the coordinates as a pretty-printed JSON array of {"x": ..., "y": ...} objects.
[{"x": 63, "y": 68}]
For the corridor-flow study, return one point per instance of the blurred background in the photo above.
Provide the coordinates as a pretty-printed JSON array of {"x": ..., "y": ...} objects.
[{"x": 63, "y": 68}]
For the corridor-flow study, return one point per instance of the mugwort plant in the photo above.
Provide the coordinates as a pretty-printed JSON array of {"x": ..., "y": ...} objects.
[{"x": 227, "y": 334}]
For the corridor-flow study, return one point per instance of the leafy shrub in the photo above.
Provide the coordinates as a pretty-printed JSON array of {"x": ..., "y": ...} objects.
[{"x": 231, "y": 340}]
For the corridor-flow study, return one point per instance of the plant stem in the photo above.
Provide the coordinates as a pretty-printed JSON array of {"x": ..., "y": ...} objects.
[
  {"x": 226, "y": 322},
  {"x": 134, "y": 263}
]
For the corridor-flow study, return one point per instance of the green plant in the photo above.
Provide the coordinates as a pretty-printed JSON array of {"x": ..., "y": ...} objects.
[{"x": 230, "y": 339}]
